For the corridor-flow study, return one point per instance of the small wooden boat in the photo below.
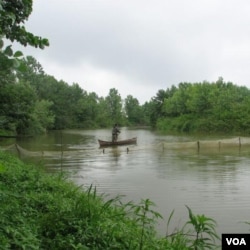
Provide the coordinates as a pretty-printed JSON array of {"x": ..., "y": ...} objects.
[{"x": 117, "y": 143}]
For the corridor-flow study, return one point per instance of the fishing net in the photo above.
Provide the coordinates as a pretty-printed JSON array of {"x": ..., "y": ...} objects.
[
  {"x": 22, "y": 152},
  {"x": 18, "y": 150},
  {"x": 237, "y": 143},
  {"x": 214, "y": 144}
]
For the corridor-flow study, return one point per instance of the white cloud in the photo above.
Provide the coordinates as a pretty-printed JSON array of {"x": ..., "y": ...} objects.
[{"x": 99, "y": 80}]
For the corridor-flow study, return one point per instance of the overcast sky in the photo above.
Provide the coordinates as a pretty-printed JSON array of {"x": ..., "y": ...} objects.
[{"x": 142, "y": 46}]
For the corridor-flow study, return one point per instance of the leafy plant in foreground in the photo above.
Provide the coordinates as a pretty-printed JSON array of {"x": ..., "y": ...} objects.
[
  {"x": 42, "y": 211},
  {"x": 205, "y": 231},
  {"x": 146, "y": 218},
  {"x": 201, "y": 235}
]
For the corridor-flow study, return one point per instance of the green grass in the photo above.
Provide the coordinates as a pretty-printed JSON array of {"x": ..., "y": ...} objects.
[{"x": 47, "y": 211}]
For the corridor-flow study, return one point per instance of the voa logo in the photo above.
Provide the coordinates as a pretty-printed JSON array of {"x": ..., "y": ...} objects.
[{"x": 235, "y": 241}]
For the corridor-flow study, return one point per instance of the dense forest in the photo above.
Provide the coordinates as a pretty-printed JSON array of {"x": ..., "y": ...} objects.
[
  {"x": 32, "y": 102},
  {"x": 205, "y": 107}
]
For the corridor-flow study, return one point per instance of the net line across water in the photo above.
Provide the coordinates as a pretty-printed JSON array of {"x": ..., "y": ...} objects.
[{"x": 236, "y": 143}]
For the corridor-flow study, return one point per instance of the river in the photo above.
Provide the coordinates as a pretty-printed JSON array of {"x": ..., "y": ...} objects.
[{"x": 213, "y": 181}]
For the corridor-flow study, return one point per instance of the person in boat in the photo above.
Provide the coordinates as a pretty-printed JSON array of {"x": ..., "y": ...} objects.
[{"x": 115, "y": 132}]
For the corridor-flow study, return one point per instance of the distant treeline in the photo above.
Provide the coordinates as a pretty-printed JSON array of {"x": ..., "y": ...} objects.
[
  {"x": 205, "y": 107},
  {"x": 32, "y": 102}
]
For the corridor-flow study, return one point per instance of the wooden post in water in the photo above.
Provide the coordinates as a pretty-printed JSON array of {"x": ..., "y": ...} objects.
[
  {"x": 239, "y": 142},
  {"x": 18, "y": 151},
  {"x": 61, "y": 138},
  {"x": 198, "y": 146}
]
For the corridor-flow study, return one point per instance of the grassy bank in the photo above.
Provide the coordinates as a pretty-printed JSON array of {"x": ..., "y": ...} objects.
[{"x": 43, "y": 211}]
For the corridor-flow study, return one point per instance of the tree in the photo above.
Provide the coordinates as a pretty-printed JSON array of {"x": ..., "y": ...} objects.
[
  {"x": 33, "y": 70},
  {"x": 199, "y": 101},
  {"x": 177, "y": 103},
  {"x": 206, "y": 107},
  {"x": 86, "y": 110},
  {"x": 157, "y": 104},
  {"x": 133, "y": 110},
  {"x": 15, "y": 105},
  {"x": 103, "y": 118},
  {"x": 13, "y": 14},
  {"x": 114, "y": 105},
  {"x": 43, "y": 117},
  {"x": 64, "y": 98}
]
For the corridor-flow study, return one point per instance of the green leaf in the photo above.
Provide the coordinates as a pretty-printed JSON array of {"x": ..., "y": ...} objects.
[
  {"x": 2, "y": 168},
  {"x": 15, "y": 63},
  {"x": 8, "y": 51},
  {"x": 22, "y": 67},
  {"x": 18, "y": 53},
  {"x": 41, "y": 46},
  {"x": 12, "y": 17},
  {"x": 1, "y": 43},
  {"x": 45, "y": 41}
]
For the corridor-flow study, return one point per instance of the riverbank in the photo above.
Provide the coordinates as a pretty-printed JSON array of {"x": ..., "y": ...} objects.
[{"x": 45, "y": 211}]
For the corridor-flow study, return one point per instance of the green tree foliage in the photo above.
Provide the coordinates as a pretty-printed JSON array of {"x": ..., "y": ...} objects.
[
  {"x": 22, "y": 111},
  {"x": 178, "y": 102},
  {"x": 33, "y": 102},
  {"x": 6, "y": 69},
  {"x": 70, "y": 105},
  {"x": 146, "y": 113},
  {"x": 17, "y": 105},
  {"x": 103, "y": 118},
  {"x": 207, "y": 107},
  {"x": 30, "y": 100},
  {"x": 155, "y": 107},
  {"x": 64, "y": 98},
  {"x": 86, "y": 110},
  {"x": 133, "y": 111},
  {"x": 33, "y": 71},
  {"x": 114, "y": 105},
  {"x": 17, "y": 98},
  {"x": 13, "y": 14},
  {"x": 43, "y": 117}
]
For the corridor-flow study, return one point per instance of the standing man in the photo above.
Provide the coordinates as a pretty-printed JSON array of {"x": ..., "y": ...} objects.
[{"x": 115, "y": 132}]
